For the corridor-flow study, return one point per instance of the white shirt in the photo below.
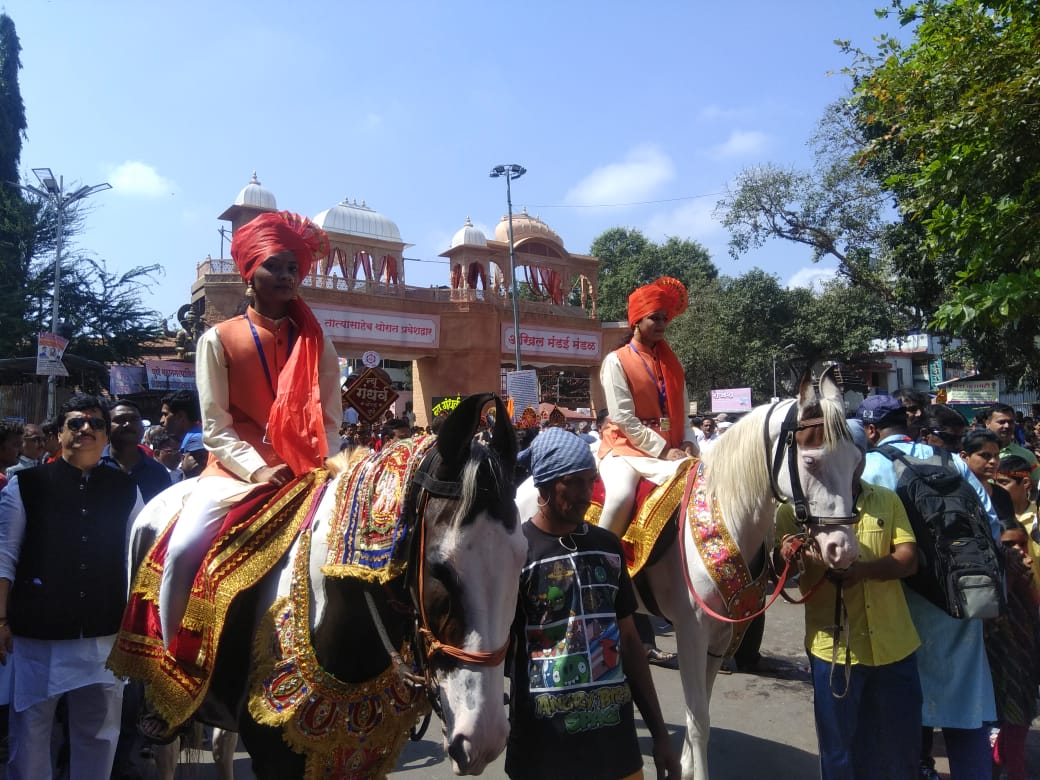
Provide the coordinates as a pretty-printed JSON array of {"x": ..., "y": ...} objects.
[
  {"x": 623, "y": 410},
  {"x": 49, "y": 667}
]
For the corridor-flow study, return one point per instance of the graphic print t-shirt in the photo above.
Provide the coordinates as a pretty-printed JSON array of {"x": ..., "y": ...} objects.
[{"x": 572, "y": 707}]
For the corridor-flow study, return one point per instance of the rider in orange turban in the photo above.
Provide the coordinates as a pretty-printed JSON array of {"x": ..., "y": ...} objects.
[
  {"x": 269, "y": 390},
  {"x": 645, "y": 389}
]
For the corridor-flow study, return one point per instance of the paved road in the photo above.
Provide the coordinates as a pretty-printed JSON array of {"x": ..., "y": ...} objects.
[{"x": 761, "y": 726}]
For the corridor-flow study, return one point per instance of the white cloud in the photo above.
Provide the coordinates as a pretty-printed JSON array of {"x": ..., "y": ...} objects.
[
  {"x": 742, "y": 143},
  {"x": 637, "y": 177},
  {"x": 692, "y": 220},
  {"x": 140, "y": 179},
  {"x": 812, "y": 277}
]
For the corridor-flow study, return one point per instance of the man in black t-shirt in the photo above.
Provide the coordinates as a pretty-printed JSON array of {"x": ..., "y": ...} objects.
[{"x": 579, "y": 664}]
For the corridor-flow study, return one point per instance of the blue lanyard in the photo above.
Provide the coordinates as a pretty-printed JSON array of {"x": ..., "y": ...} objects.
[
  {"x": 263, "y": 357},
  {"x": 658, "y": 380}
]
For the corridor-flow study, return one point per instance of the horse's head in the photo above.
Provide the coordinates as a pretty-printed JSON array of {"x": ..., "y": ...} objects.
[
  {"x": 814, "y": 464},
  {"x": 466, "y": 573}
]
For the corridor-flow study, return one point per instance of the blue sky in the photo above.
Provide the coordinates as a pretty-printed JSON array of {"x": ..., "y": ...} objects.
[{"x": 409, "y": 105}]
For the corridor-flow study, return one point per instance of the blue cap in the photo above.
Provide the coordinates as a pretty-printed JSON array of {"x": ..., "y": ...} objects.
[
  {"x": 555, "y": 453},
  {"x": 192, "y": 442},
  {"x": 876, "y": 408}
]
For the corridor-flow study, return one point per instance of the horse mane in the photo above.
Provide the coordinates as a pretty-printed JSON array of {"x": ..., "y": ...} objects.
[
  {"x": 345, "y": 460},
  {"x": 475, "y": 479},
  {"x": 737, "y": 466}
]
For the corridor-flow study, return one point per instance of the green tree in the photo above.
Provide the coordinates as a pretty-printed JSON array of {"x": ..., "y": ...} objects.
[
  {"x": 953, "y": 116},
  {"x": 739, "y": 325},
  {"x": 15, "y": 217},
  {"x": 629, "y": 260}
]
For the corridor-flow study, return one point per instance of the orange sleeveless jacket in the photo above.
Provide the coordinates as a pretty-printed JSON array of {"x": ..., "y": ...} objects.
[
  {"x": 250, "y": 395},
  {"x": 646, "y": 399}
]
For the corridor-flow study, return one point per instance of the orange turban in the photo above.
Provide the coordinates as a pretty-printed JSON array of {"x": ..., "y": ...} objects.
[
  {"x": 666, "y": 294},
  {"x": 296, "y": 423},
  {"x": 277, "y": 232}
]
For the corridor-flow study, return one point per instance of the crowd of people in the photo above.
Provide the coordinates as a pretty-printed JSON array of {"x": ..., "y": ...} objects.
[{"x": 905, "y": 668}]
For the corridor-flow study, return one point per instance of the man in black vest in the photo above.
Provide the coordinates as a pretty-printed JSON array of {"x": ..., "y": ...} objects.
[{"x": 63, "y": 585}]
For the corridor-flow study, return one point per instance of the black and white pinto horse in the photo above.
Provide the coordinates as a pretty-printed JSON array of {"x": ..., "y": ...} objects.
[
  {"x": 798, "y": 450},
  {"x": 460, "y": 588}
]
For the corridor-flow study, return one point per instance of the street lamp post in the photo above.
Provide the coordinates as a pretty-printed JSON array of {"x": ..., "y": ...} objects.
[
  {"x": 510, "y": 172},
  {"x": 54, "y": 191},
  {"x": 782, "y": 350},
  {"x": 558, "y": 377}
]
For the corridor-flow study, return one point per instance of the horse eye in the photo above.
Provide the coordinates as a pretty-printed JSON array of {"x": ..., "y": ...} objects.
[{"x": 809, "y": 461}]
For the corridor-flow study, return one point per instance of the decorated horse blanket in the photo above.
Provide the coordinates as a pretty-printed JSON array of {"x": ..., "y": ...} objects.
[
  {"x": 655, "y": 506},
  {"x": 348, "y": 731},
  {"x": 254, "y": 536}
]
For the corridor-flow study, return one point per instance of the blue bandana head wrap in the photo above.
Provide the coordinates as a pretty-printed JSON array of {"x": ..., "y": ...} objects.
[{"x": 556, "y": 453}]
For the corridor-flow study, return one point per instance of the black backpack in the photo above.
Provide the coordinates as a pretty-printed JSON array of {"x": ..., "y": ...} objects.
[{"x": 960, "y": 566}]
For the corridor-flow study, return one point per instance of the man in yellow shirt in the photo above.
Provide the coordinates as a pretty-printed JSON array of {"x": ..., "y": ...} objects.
[{"x": 874, "y": 729}]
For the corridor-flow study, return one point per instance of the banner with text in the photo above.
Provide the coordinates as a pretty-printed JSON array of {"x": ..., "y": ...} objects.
[
  {"x": 169, "y": 375},
  {"x": 977, "y": 392},
  {"x": 554, "y": 343},
  {"x": 443, "y": 405},
  {"x": 48, "y": 356},
  {"x": 402, "y": 330},
  {"x": 733, "y": 399}
]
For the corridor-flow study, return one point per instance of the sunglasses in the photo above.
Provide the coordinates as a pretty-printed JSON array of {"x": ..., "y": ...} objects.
[
  {"x": 951, "y": 439},
  {"x": 75, "y": 423}
]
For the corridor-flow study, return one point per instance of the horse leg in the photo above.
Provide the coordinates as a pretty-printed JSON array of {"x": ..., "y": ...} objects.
[
  {"x": 696, "y": 670},
  {"x": 271, "y": 757},
  {"x": 166, "y": 757},
  {"x": 224, "y": 743}
]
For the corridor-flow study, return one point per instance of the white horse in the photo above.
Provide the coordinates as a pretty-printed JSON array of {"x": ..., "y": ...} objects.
[
  {"x": 462, "y": 577},
  {"x": 797, "y": 449}
]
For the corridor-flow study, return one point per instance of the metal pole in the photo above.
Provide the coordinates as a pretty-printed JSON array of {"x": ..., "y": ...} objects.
[
  {"x": 774, "y": 375},
  {"x": 512, "y": 271},
  {"x": 52, "y": 381}
]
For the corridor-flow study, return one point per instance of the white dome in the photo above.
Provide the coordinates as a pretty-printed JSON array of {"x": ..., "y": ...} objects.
[
  {"x": 468, "y": 235},
  {"x": 256, "y": 197},
  {"x": 354, "y": 220}
]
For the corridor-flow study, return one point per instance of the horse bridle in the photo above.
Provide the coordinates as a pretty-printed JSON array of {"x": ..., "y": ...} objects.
[
  {"x": 788, "y": 445},
  {"x": 427, "y": 645}
]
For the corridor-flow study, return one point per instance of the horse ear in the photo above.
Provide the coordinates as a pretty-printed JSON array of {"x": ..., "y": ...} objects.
[
  {"x": 807, "y": 394},
  {"x": 456, "y": 437},
  {"x": 503, "y": 438},
  {"x": 829, "y": 387}
]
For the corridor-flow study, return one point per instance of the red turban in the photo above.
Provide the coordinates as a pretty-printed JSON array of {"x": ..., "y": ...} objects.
[
  {"x": 277, "y": 232},
  {"x": 296, "y": 423},
  {"x": 666, "y": 294}
]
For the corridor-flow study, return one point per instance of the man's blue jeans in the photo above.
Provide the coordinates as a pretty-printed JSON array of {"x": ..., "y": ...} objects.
[{"x": 873, "y": 733}]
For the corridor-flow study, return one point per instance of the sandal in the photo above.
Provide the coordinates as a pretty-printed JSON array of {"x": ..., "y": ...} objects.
[
  {"x": 153, "y": 728},
  {"x": 662, "y": 658}
]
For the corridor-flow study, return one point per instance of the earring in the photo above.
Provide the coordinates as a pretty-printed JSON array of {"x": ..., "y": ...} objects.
[
  {"x": 543, "y": 501},
  {"x": 250, "y": 292}
]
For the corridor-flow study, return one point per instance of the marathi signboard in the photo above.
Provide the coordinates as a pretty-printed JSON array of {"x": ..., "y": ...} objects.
[
  {"x": 49, "y": 354},
  {"x": 733, "y": 399},
  {"x": 982, "y": 391},
  {"x": 169, "y": 375},
  {"x": 444, "y": 405},
  {"x": 370, "y": 394},
  {"x": 554, "y": 343},
  {"x": 407, "y": 330},
  {"x": 936, "y": 372}
]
